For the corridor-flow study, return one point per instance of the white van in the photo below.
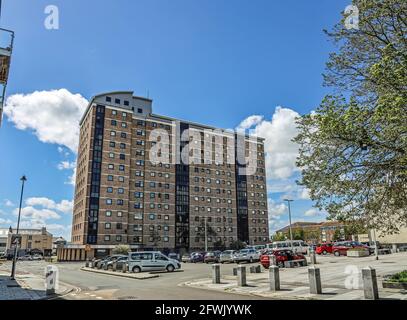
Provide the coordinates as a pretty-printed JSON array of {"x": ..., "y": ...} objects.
[
  {"x": 298, "y": 246},
  {"x": 151, "y": 261}
]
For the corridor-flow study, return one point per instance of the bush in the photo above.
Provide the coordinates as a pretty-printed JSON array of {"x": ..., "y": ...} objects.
[
  {"x": 358, "y": 249},
  {"x": 121, "y": 249},
  {"x": 399, "y": 277}
]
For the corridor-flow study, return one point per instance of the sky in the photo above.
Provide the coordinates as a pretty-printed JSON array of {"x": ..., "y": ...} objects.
[{"x": 254, "y": 64}]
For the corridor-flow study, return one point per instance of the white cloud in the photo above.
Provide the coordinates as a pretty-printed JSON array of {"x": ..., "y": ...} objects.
[
  {"x": 64, "y": 206},
  {"x": 30, "y": 212},
  {"x": 53, "y": 116},
  {"x": 5, "y": 221},
  {"x": 278, "y": 132},
  {"x": 72, "y": 178},
  {"x": 8, "y": 203},
  {"x": 276, "y": 209},
  {"x": 314, "y": 213},
  {"x": 54, "y": 228},
  {"x": 66, "y": 165}
]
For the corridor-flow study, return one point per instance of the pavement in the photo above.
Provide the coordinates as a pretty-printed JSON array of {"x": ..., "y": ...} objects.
[
  {"x": 194, "y": 281},
  {"x": 340, "y": 277},
  {"x": 27, "y": 286}
]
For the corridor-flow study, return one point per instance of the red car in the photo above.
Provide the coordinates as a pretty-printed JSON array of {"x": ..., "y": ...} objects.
[
  {"x": 281, "y": 256},
  {"x": 324, "y": 248},
  {"x": 341, "y": 248}
]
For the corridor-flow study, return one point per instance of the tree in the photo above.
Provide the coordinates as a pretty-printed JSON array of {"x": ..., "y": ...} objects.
[
  {"x": 298, "y": 234},
  {"x": 237, "y": 245},
  {"x": 353, "y": 148},
  {"x": 278, "y": 237},
  {"x": 121, "y": 249}
]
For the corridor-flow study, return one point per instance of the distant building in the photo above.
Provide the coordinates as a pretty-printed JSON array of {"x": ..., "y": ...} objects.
[
  {"x": 3, "y": 240},
  {"x": 32, "y": 241},
  {"x": 58, "y": 242},
  {"x": 398, "y": 239},
  {"x": 314, "y": 232}
]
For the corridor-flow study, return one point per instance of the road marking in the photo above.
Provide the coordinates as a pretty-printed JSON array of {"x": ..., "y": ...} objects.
[{"x": 99, "y": 298}]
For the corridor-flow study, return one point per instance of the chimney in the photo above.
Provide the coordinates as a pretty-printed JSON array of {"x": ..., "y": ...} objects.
[{"x": 44, "y": 231}]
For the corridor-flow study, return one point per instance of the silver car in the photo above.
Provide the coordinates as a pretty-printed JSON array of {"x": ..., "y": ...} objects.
[
  {"x": 227, "y": 256},
  {"x": 248, "y": 255},
  {"x": 151, "y": 261}
]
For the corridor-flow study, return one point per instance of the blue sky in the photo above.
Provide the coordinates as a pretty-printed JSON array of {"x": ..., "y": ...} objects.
[{"x": 196, "y": 59}]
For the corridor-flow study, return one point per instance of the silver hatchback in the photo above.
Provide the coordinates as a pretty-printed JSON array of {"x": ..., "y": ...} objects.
[{"x": 151, "y": 261}]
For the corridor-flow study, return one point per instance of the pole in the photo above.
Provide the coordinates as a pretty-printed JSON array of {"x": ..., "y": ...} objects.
[
  {"x": 13, "y": 267},
  {"x": 206, "y": 236},
  {"x": 289, "y": 217},
  {"x": 376, "y": 247}
]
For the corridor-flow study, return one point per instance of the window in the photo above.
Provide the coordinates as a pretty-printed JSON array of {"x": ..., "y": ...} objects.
[
  {"x": 119, "y": 226},
  {"x": 113, "y": 122},
  {"x": 109, "y": 190},
  {"x": 139, "y": 110},
  {"x": 122, "y": 156},
  {"x": 117, "y": 101},
  {"x": 108, "y": 213},
  {"x": 122, "y": 146},
  {"x": 113, "y": 133},
  {"x": 151, "y": 216},
  {"x": 124, "y": 125},
  {"x": 108, "y": 225},
  {"x": 120, "y": 202},
  {"x": 126, "y": 103},
  {"x": 111, "y": 155},
  {"x": 121, "y": 179},
  {"x": 114, "y": 112},
  {"x": 109, "y": 178},
  {"x": 110, "y": 166},
  {"x": 166, "y": 239},
  {"x": 119, "y": 238},
  {"x": 123, "y": 135},
  {"x": 121, "y": 167},
  {"x": 120, "y": 191},
  {"x": 109, "y": 201},
  {"x": 107, "y": 238}
]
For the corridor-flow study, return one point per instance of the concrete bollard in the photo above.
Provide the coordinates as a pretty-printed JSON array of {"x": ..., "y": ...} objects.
[
  {"x": 105, "y": 266},
  {"x": 87, "y": 264},
  {"x": 274, "y": 278},
  {"x": 314, "y": 277},
  {"x": 216, "y": 273},
  {"x": 114, "y": 266},
  {"x": 124, "y": 268},
  {"x": 235, "y": 271},
  {"x": 313, "y": 257},
  {"x": 241, "y": 276},
  {"x": 92, "y": 264},
  {"x": 272, "y": 260},
  {"x": 370, "y": 283}
]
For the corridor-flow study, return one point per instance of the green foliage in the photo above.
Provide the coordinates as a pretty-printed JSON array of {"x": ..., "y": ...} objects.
[
  {"x": 298, "y": 234},
  {"x": 353, "y": 148},
  {"x": 121, "y": 249},
  {"x": 278, "y": 237},
  {"x": 237, "y": 245},
  {"x": 399, "y": 277}
]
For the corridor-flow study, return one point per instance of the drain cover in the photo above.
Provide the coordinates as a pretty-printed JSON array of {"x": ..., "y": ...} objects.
[{"x": 13, "y": 286}]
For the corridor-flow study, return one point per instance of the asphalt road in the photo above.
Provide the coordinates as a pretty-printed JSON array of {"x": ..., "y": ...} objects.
[{"x": 92, "y": 286}]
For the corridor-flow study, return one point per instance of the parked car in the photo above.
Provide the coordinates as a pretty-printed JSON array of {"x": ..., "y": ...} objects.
[
  {"x": 298, "y": 246},
  {"x": 197, "y": 257},
  {"x": 109, "y": 259},
  {"x": 119, "y": 262},
  {"x": 281, "y": 257},
  {"x": 249, "y": 255},
  {"x": 186, "y": 258},
  {"x": 151, "y": 261},
  {"x": 37, "y": 257},
  {"x": 372, "y": 247},
  {"x": 324, "y": 248},
  {"x": 26, "y": 257},
  {"x": 227, "y": 256},
  {"x": 174, "y": 256},
  {"x": 341, "y": 248},
  {"x": 212, "y": 257}
]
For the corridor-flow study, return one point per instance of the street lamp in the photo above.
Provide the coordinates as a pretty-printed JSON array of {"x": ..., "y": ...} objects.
[
  {"x": 13, "y": 268},
  {"x": 206, "y": 234},
  {"x": 289, "y": 216}
]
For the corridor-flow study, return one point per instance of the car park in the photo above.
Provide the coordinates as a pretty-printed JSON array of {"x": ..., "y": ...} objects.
[
  {"x": 341, "y": 248},
  {"x": 197, "y": 257},
  {"x": 227, "y": 256},
  {"x": 281, "y": 257},
  {"x": 298, "y": 246},
  {"x": 151, "y": 261},
  {"x": 109, "y": 259},
  {"x": 26, "y": 257},
  {"x": 248, "y": 255},
  {"x": 323, "y": 248}
]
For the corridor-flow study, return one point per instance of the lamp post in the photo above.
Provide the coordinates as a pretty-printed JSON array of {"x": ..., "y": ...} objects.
[
  {"x": 206, "y": 234},
  {"x": 289, "y": 216},
  {"x": 13, "y": 267}
]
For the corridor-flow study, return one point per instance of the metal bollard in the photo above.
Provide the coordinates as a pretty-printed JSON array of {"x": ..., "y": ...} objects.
[
  {"x": 314, "y": 277},
  {"x": 241, "y": 276},
  {"x": 274, "y": 278},
  {"x": 114, "y": 266},
  {"x": 216, "y": 273},
  {"x": 313, "y": 257},
  {"x": 272, "y": 260},
  {"x": 370, "y": 288}
]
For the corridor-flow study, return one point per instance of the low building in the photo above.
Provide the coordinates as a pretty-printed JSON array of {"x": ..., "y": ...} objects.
[
  {"x": 397, "y": 239},
  {"x": 315, "y": 232},
  {"x": 3, "y": 240},
  {"x": 58, "y": 242},
  {"x": 32, "y": 241}
]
